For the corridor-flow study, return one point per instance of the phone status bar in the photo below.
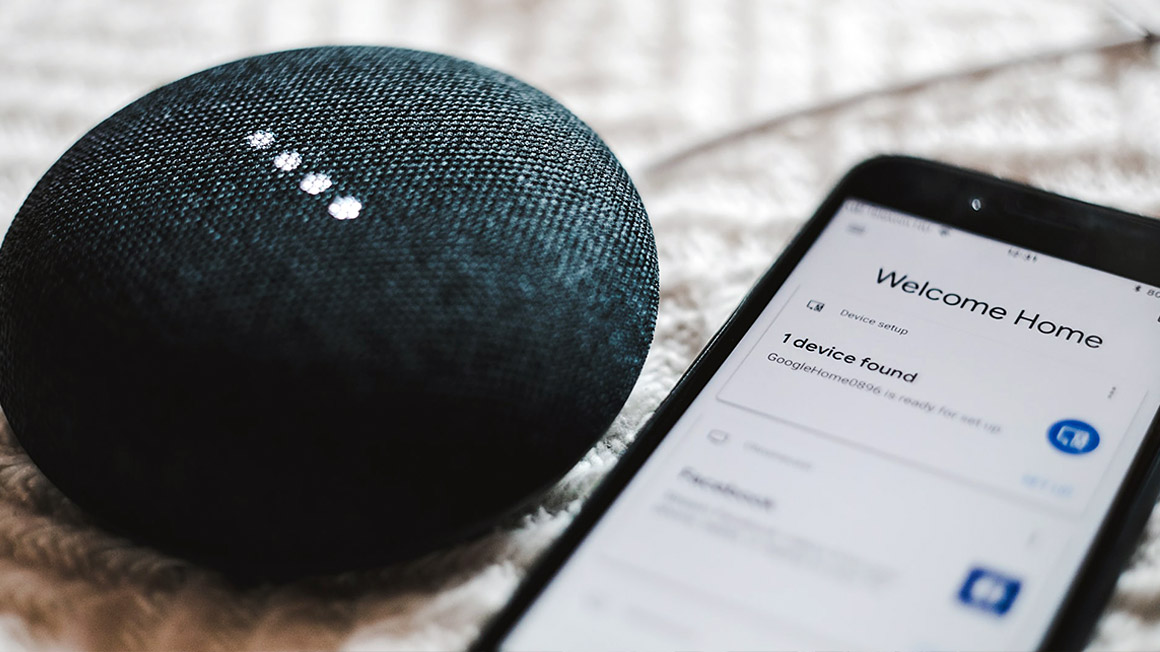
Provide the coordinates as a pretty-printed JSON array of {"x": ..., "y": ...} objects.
[{"x": 864, "y": 216}]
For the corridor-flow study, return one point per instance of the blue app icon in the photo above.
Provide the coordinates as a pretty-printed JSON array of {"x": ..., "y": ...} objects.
[
  {"x": 989, "y": 591},
  {"x": 1073, "y": 436}
]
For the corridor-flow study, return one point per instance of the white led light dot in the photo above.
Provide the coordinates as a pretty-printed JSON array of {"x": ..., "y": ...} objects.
[
  {"x": 344, "y": 208},
  {"x": 287, "y": 161},
  {"x": 315, "y": 183},
  {"x": 260, "y": 139}
]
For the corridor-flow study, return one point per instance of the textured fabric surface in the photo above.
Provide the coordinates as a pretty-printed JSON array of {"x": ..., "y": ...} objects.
[
  {"x": 409, "y": 275},
  {"x": 654, "y": 79}
]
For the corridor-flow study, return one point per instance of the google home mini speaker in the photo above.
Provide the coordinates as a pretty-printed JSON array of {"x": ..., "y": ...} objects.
[{"x": 323, "y": 309}]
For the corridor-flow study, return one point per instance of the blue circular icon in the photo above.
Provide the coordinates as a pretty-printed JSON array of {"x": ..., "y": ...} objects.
[{"x": 1073, "y": 436}]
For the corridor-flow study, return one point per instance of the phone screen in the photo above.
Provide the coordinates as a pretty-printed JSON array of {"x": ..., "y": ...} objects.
[{"x": 913, "y": 446}]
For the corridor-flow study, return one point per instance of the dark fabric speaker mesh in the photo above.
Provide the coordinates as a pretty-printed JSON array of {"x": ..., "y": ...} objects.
[{"x": 323, "y": 308}]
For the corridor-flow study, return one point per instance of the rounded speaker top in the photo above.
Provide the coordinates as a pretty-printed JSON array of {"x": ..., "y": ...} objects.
[{"x": 323, "y": 308}]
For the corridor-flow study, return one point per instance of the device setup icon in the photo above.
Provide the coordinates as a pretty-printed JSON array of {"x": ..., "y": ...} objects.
[
  {"x": 989, "y": 591},
  {"x": 1073, "y": 436}
]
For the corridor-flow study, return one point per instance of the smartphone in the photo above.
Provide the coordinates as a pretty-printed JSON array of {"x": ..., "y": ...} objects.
[{"x": 932, "y": 424}]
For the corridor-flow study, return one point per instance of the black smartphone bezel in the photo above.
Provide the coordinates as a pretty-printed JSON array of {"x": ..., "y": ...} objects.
[{"x": 1025, "y": 217}]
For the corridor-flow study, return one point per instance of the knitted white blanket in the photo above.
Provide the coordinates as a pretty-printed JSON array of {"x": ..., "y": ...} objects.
[{"x": 660, "y": 80}]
